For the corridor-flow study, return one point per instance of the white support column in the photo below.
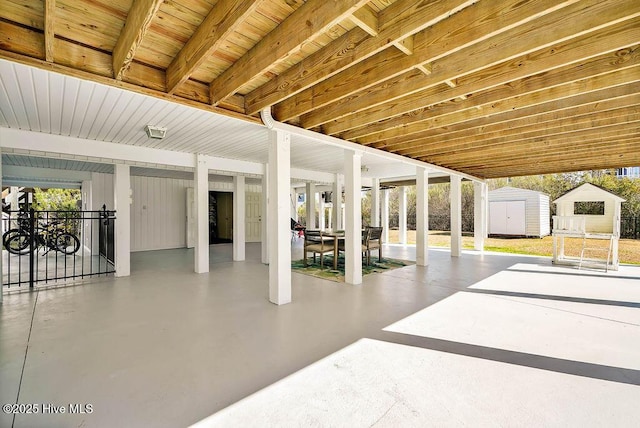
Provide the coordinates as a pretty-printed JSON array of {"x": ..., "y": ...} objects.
[
  {"x": 330, "y": 216},
  {"x": 456, "y": 216},
  {"x": 264, "y": 216},
  {"x": 279, "y": 223},
  {"x": 402, "y": 215},
  {"x": 201, "y": 196},
  {"x": 422, "y": 217},
  {"x": 385, "y": 216},
  {"x": 310, "y": 199},
  {"x": 122, "y": 202},
  {"x": 294, "y": 204},
  {"x": 86, "y": 196},
  {"x": 353, "y": 218},
  {"x": 375, "y": 203},
  {"x": 239, "y": 209},
  {"x": 2, "y": 232},
  {"x": 480, "y": 209},
  {"x": 321, "y": 211},
  {"x": 14, "y": 198},
  {"x": 336, "y": 200}
]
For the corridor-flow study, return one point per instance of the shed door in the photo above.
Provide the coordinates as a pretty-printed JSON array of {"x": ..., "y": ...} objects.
[
  {"x": 507, "y": 218},
  {"x": 516, "y": 218}
]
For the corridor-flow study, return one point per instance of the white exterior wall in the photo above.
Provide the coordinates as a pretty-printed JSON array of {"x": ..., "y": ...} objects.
[
  {"x": 158, "y": 210},
  {"x": 537, "y": 215},
  {"x": 593, "y": 223},
  {"x": 158, "y": 213},
  {"x": 101, "y": 191},
  {"x": 545, "y": 212}
]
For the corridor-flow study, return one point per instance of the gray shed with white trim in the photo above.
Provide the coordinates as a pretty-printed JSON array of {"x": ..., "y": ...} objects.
[{"x": 518, "y": 212}]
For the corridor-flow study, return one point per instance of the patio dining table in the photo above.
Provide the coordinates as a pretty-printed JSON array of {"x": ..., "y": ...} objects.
[{"x": 337, "y": 236}]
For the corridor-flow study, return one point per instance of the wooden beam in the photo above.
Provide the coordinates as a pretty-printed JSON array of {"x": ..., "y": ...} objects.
[
  {"x": 224, "y": 19},
  {"x": 595, "y": 67},
  {"x": 138, "y": 21},
  {"x": 503, "y": 148},
  {"x": 515, "y": 132},
  {"x": 609, "y": 80},
  {"x": 398, "y": 21},
  {"x": 305, "y": 24},
  {"x": 622, "y": 96},
  {"x": 583, "y": 102},
  {"x": 405, "y": 45},
  {"x": 49, "y": 26},
  {"x": 540, "y": 167},
  {"x": 550, "y": 152},
  {"x": 600, "y": 42},
  {"x": 367, "y": 19},
  {"x": 470, "y": 26}
]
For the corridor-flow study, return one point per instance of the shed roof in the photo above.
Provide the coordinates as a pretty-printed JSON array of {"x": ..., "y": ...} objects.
[
  {"x": 588, "y": 187},
  {"x": 516, "y": 189}
]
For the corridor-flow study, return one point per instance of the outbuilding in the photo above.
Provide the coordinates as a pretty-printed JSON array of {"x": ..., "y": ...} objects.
[
  {"x": 592, "y": 214},
  {"x": 518, "y": 212}
]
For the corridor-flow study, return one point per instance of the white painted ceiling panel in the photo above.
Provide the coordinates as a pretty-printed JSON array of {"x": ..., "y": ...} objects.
[{"x": 42, "y": 101}]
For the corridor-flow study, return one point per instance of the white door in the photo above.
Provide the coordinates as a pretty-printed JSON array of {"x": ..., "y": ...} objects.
[
  {"x": 498, "y": 218},
  {"x": 191, "y": 218},
  {"x": 507, "y": 218},
  {"x": 253, "y": 217},
  {"x": 516, "y": 218}
]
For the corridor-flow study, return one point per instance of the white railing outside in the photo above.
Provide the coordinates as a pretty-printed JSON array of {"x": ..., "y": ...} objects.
[{"x": 569, "y": 224}]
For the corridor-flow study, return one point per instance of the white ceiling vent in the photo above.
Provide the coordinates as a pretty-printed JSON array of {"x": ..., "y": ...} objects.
[{"x": 155, "y": 132}]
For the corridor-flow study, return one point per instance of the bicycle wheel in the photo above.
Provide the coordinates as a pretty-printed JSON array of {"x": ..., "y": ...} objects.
[
  {"x": 18, "y": 243},
  {"x": 10, "y": 234},
  {"x": 66, "y": 243}
]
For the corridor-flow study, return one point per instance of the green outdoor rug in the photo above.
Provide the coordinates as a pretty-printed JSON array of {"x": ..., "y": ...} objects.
[{"x": 327, "y": 272}]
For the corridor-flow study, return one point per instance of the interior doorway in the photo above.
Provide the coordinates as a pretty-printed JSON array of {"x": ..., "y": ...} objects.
[{"x": 220, "y": 217}]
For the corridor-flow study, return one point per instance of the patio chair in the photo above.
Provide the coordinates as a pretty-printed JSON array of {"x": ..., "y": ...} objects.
[
  {"x": 363, "y": 249},
  {"x": 315, "y": 243},
  {"x": 374, "y": 242}
]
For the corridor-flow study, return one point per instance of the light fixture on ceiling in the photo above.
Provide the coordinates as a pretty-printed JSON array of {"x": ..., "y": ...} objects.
[
  {"x": 155, "y": 132},
  {"x": 364, "y": 168}
]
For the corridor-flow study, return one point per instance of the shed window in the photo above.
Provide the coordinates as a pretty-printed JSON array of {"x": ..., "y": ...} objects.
[{"x": 588, "y": 207}]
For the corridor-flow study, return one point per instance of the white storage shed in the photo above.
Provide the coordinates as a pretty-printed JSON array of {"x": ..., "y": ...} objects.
[{"x": 518, "y": 212}]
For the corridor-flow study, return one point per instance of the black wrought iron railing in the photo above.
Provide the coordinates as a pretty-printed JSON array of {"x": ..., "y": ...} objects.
[{"x": 45, "y": 247}]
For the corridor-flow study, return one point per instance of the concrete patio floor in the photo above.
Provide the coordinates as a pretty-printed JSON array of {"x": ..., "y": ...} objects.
[{"x": 481, "y": 340}]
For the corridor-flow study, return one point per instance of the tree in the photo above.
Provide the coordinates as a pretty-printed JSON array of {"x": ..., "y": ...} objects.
[{"x": 64, "y": 205}]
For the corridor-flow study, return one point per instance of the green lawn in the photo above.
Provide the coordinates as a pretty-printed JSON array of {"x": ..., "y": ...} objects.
[{"x": 629, "y": 249}]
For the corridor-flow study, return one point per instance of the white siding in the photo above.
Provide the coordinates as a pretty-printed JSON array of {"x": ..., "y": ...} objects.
[
  {"x": 593, "y": 223},
  {"x": 536, "y": 212},
  {"x": 158, "y": 208},
  {"x": 545, "y": 219},
  {"x": 158, "y": 213},
  {"x": 101, "y": 191}
]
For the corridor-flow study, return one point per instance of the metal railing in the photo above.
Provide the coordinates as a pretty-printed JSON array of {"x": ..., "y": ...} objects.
[
  {"x": 630, "y": 227},
  {"x": 53, "y": 247}
]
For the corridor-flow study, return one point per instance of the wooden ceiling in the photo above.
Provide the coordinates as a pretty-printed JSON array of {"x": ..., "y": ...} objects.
[{"x": 492, "y": 88}]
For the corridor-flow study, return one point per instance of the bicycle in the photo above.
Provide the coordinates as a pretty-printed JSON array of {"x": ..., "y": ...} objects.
[{"x": 18, "y": 241}]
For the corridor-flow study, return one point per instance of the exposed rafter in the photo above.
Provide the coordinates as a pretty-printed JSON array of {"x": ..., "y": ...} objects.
[
  {"x": 574, "y": 53},
  {"x": 460, "y": 31},
  {"x": 224, "y": 19},
  {"x": 49, "y": 29},
  {"x": 304, "y": 25},
  {"x": 138, "y": 21},
  {"x": 473, "y": 85}
]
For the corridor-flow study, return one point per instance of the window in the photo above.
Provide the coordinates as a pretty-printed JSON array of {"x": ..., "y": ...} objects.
[{"x": 588, "y": 208}]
